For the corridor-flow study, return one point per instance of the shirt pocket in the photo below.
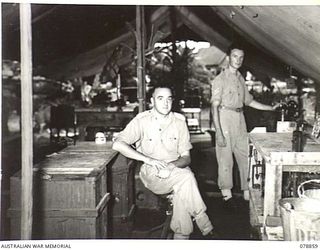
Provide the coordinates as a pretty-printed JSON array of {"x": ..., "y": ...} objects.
[
  {"x": 231, "y": 97},
  {"x": 171, "y": 143},
  {"x": 148, "y": 145},
  {"x": 230, "y": 92}
]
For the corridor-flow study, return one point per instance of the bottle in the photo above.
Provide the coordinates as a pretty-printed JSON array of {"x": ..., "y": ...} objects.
[
  {"x": 282, "y": 107},
  {"x": 282, "y": 114},
  {"x": 297, "y": 139}
]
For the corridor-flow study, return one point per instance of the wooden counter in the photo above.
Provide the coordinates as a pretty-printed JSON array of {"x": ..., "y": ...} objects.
[
  {"x": 278, "y": 147},
  {"x": 275, "y": 150}
]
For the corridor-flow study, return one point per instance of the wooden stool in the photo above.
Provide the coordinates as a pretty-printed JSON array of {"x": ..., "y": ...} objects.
[{"x": 165, "y": 226}]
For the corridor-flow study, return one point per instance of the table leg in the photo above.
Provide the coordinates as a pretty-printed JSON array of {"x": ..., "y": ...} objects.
[{"x": 272, "y": 190}]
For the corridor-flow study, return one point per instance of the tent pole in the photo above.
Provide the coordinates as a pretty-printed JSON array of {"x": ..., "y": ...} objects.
[
  {"x": 1, "y": 103},
  {"x": 26, "y": 121},
  {"x": 140, "y": 36}
]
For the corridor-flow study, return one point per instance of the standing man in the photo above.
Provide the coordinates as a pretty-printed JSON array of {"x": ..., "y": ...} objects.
[
  {"x": 229, "y": 95},
  {"x": 162, "y": 143}
]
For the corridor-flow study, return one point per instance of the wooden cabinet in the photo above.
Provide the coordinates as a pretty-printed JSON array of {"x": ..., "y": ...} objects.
[{"x": 273, "y": 152}]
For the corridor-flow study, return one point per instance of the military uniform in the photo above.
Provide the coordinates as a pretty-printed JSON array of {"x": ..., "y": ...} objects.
[
  {"x": 167, "y": 143},
  {"x": 231, "y": 91}
]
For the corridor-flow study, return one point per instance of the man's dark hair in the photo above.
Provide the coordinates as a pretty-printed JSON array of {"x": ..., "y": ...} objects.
[
  {"x": 161, "y": 85},
  {"x": 235, "y": 45}
]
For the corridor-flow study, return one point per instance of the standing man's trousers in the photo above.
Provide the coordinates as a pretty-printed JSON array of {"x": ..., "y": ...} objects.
[{"x": 234, "y": 130}]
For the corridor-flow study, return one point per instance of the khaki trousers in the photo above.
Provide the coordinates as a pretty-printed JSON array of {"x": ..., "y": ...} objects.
[
  {"x": 187, "y": 201},
  {"x": 234, "y": 130}
]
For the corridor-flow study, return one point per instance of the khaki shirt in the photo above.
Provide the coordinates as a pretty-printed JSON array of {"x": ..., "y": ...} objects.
[
  {"x": 162, "y": 143},
  {"x": 230, "y": 90}
]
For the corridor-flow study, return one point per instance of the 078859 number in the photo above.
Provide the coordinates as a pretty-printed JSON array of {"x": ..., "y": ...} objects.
[{"x": 309, "y": 245}]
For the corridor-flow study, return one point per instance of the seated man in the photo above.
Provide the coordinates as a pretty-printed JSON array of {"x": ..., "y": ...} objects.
[{"x": 162, "y": 143}]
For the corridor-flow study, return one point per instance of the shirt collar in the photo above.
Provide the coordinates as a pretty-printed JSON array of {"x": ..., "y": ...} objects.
[
  {"x": 229, "y": 73},
  {"x": 154, "y": 115}
]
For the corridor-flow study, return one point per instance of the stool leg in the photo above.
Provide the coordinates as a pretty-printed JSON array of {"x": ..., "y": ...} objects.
[{"x": 166, "y": 227}]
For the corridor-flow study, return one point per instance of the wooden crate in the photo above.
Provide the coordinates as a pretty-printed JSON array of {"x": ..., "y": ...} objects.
[
  {"x": 70, "y": 197},
  {"x": 121, "y": 185},
  {"x": 122, "y": 188}
]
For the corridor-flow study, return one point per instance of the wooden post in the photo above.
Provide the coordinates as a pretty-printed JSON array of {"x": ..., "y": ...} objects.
[
  {"x": 299, "y": 92},
  {"x": 317, "y": 87},
  {"x": 118, "y": 87},
  {"x": 26, "y": 121},
  {"x": 176, "y": 74},
  {"x": 1, "y": 137},
  {"x": 140, "y": 36}
]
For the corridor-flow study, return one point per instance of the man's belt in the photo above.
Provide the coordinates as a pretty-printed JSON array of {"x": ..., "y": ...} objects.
[{"x": 232, "y": 109}]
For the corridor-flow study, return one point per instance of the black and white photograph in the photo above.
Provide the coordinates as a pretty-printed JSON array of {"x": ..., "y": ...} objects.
[{"x": 160, "y": 122}]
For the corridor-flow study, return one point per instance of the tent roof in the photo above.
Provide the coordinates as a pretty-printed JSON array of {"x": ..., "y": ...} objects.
[
  {"x": 290, "y": 33},
  {"x": 76, "y": 40}
]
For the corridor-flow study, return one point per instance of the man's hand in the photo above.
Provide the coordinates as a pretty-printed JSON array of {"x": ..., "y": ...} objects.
[
  {"x": 221, "y": 140},
  {"x": 164, "y": 173},
  {"x": 170, "y": 166},
  {"x": 277, "y": 105},
  {"x": 156, "y": 163}
]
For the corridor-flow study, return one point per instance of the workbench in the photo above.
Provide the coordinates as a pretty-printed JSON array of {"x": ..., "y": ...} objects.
[{"x": 274, "y": 151}]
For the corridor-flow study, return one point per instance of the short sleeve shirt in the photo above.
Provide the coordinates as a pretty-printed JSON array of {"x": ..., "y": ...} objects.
[
  {"x": 230, "y": 90},
  {"x": 163, "y": 143}
]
